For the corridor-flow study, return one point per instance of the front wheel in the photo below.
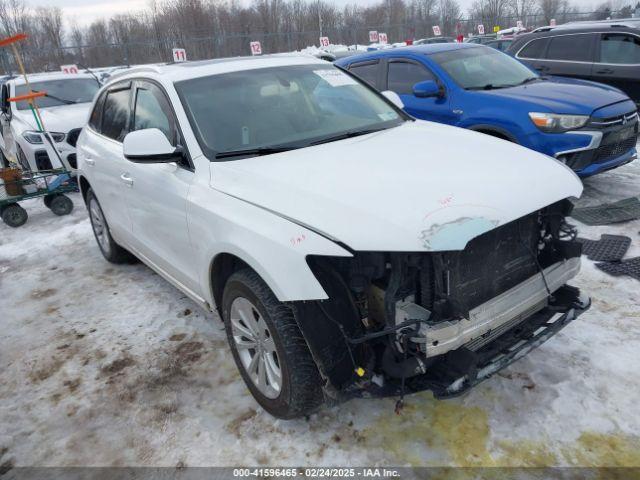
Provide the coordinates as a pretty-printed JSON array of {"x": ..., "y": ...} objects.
[
  {"x": 269, "y": 349},
  {"x": 111, "y": 251}
]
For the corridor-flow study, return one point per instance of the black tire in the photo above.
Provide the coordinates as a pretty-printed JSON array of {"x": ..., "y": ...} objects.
[
  {"x": 47, "y": 200},
  {"x": 14, "y": 215},
  {"x": 60, "y": 205},
  {"x": 300, "y": 392},
  {"x": 110, "y": 250}
]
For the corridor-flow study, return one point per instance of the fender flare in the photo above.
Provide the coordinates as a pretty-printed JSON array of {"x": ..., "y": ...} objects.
[{"x": 484, "y": 128}]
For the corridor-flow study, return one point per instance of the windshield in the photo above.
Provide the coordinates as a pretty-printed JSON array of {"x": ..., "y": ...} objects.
[
  {"x": 483, "y": 68},
  {"x": 60, "y": 92},
  {"x": 274, "y": 109}
]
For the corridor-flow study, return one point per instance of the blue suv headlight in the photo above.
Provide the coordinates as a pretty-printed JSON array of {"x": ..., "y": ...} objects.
[{"x": 555, "y": 123}]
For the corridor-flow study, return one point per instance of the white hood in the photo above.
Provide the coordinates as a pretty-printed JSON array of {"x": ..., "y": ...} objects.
[
  {"x": 59, "y": 119},
  {"x": 418, "y": 187}
]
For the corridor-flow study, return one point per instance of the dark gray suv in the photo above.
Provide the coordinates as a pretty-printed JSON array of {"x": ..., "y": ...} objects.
[{"x": 606, "y": 53}]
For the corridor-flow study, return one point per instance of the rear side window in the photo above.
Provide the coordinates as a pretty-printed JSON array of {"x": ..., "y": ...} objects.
[
  {"x": 115, "y": 116},
  {"x": 534, "y": 49},
  {"x": 402, "y": 76},
  {"x": 619, "y": 48},
  {"x": 573, "y": 48},
  {"x": 366, "y": 71}
]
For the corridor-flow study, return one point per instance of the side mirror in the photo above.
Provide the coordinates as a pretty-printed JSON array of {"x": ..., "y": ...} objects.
[
  {"x": 426, "y": 89},
  {"x": 394, "y": 98},
  {"x": 150, "y": 146}
]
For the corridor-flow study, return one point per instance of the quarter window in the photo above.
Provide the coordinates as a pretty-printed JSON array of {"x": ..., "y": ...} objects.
[
  {"x": 152, "y": 111},
  {"x": 96, "y": 114},
  {"x": 618, "y": 48},
  {"x": 115, "y": 115},
  {"x": 569, "y": 47},
  {"x": 366, "y": 71},
  {"x": 402, "y": 76},
  {"x": 534, "y": 49}
]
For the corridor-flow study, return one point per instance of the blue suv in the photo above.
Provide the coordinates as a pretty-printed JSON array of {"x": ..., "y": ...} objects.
[{"x": 588, "y": 126}]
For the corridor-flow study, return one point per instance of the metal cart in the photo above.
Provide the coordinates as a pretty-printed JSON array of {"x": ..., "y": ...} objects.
[{"x": 51, "y": 185}]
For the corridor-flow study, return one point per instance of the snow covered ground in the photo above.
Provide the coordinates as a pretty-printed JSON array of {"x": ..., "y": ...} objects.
[{"x": 110, "y": 365}]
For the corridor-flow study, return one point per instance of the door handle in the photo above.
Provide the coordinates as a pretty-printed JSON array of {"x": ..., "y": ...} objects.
[
  {"x": 90, "y": 161},
  {"x": 605, "y": 71},
  {"x": 542, "y": 68},
  {"x": 127, "y": 179}
]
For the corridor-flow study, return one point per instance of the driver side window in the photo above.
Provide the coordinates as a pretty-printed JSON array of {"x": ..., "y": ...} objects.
[
  {"x": 153, "y": 111},
  {"x": 402, "y": 76}
]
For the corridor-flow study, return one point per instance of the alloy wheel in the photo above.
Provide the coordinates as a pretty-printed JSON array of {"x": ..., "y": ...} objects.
[{"x": 256, "y": 347}]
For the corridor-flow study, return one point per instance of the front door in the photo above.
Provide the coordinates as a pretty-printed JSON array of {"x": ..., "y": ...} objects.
[
  {"x": 157, "y": 193},
  {"x": 402, "y": 75}
]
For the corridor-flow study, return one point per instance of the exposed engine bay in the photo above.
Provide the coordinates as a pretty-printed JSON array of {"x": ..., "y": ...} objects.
[{"x": 445, "y": 320}]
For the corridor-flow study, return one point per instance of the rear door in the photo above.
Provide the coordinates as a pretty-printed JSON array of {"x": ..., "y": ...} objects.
[
  {"x": 618, "y": 62},
  {"x": 102, "y": 159},
  {"x": 401, "y": 75}
]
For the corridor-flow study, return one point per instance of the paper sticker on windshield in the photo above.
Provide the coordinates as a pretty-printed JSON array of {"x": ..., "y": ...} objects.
[
  {"x": 335, "y": 78},
  {"x": 387, "y": 116}
]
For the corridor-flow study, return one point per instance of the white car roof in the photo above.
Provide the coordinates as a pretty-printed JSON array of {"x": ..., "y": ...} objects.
[
  {"x": 43, "y": 77},
  {"x": 175, "y": 72}
]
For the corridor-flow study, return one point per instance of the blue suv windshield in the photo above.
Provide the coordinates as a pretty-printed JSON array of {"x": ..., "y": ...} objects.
[{"x": 483, "y": 68}]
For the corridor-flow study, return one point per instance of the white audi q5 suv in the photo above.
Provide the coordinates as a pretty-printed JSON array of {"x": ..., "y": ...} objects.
[{"x": 348, "y": 248}]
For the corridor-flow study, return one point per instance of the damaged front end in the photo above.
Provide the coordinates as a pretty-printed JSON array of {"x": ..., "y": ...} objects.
[{"x": 442, "y": 320}]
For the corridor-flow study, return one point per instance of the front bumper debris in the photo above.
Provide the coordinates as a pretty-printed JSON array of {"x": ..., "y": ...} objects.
[
  {"x": 495, "y": 316},
  {"x": 456, "y": 371},
  {"x": 461, "y": 369}
]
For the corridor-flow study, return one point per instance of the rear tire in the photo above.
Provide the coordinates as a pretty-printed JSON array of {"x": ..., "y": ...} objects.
[
  {"x": 253, "y": 316},
  {"x": 60, "y": 205},
  {"x": 14, "y": 215},
  {"x": 110, "y": 250}
]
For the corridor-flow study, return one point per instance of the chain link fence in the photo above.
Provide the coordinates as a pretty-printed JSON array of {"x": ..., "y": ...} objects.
[{"x": 227, "y": 45}]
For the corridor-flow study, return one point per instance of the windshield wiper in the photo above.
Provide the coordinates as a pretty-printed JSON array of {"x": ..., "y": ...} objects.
[
  {"x": 345, "y": 135},
  {"x": 63, "y": 100},
  {"x": 254, "y": 151},
  {"x": 529, "y": 80},
  {"x": 269, "y": 150}
]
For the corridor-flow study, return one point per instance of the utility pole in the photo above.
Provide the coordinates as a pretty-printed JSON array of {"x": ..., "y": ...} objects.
[{"x": 320, "y": 17}]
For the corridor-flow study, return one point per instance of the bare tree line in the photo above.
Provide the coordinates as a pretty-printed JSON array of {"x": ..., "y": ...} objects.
[{"x": 215, "y": 28}]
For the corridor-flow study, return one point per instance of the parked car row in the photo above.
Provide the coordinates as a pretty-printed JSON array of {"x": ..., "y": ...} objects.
[{"x": 589, "y": 127}]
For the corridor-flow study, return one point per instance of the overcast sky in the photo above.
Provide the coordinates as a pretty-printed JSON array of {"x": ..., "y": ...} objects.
[{"x": 89, "y": 10}]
